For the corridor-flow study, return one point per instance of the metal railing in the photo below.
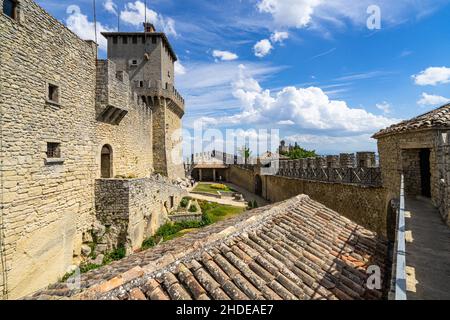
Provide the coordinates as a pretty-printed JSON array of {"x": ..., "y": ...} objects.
[
  {"x": 400, "y": 249},
  {"x": 361, "y": 176}
]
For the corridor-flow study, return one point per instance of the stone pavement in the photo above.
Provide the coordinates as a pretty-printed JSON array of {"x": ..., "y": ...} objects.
[
  {"x": 428, "y": 255},
  {"x": 248, "y": 196}
]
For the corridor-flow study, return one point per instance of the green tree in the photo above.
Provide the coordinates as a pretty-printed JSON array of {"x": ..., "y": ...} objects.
[
  {"x": 245, "y": 153},
  {"x": 298, "y": 152}
]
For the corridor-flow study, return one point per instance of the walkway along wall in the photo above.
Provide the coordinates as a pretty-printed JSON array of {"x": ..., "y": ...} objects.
[{"x": 368, "y": 206}]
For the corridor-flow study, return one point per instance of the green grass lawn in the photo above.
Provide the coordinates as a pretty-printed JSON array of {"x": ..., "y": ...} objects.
[
  {"x": 206, "y": 187},
  {"x": 212, "y": 213},
  {"x": 217, "y": 212}
]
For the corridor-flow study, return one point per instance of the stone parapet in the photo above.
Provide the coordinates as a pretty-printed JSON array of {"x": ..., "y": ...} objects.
[
  {"x": 152, "y": 89},
  {"x": 134, "y": 209}
]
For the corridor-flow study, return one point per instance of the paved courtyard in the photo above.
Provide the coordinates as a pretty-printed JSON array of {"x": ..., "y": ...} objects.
[{"x": 248, "y": 196}]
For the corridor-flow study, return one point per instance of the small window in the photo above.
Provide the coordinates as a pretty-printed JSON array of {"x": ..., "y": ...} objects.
[
  {"x": 10, "y": 8},
  {"x": 171, "y": 202},
  {"x": 168, "y": 74},
  {"x": 115, "y": 40},
  {"x": 153, "y": 40},
  {"x": 134, "y": 39},
  {"x": 53, "y": 93},
  {"x": 53, "y": 150},
  {"x": 141, "y": 84},
  {"x": 125, "y": 40},
  {"x": 134, "y": 62}
]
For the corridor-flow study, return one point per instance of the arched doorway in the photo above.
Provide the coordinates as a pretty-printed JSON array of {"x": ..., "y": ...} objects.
[
  {"x": 106, "y": 162},
  {"x": 258, "y": 185}
]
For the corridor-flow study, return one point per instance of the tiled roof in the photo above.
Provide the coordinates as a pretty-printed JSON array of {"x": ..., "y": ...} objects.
[
  {"x": 297, "y": 249},
  {"x": 437, "y": 118}
]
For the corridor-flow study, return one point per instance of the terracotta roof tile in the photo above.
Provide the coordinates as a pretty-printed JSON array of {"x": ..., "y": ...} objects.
[
  {"x": 438, "y": 118},
  {"x": 298, "y": 249}
]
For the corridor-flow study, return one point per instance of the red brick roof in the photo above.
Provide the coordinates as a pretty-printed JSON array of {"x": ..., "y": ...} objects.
[
  {"x": 438, "y": 118},
  {"x": 298, "y": 249}
]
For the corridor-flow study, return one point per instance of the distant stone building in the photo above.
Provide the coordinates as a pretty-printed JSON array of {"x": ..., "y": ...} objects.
[
  {"x": 418, "y": 149},
  {"x": 69, "y": 124}
]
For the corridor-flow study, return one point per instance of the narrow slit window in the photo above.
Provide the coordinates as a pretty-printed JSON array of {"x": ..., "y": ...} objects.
[
  {"x": 10, "y": 8},
  {"x": 115, "y": 40},
  {"x": 53, "y": 93},
  {"x": 153, "y": 40},
  {"x": 134, "y": 39},
  {"x": 53, "y": 150},
  {"x": 125, "y": 40}
]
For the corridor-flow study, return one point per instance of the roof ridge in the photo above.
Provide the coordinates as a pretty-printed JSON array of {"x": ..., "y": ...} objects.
[{"x": 426, "y": 120}]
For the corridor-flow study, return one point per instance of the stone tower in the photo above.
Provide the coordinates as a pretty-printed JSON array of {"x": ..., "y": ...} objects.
[{"x": 149, "y": 60}]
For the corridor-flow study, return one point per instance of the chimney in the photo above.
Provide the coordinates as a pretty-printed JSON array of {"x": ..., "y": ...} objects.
[{"x": 149, "y": 28}]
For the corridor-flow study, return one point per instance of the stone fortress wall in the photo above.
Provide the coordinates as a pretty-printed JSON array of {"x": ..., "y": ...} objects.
[
  {"x": 400, "y": 154},
  {"x": 366, "y": 205},
  {"x": 348, "y": 183},
  {"x": 132, "y": 210},
  {"x": 45, "y": 206},
  {"x": 48, "y": 203},
  {"x": 132, "y": 140},
  {"x": 346, "y": 168}
]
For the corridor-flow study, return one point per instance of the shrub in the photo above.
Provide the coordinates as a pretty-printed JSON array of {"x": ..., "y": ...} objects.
[
  {"x": 86, "y": 267},
  {"x": 184, "y": 202},
  {"x": 116, "y": 254},
  {"x": 219, "y": 186},
  {"x": 67, "y": 276},
  {"x": 255, "y": 204},
  {"x": 148, "y": 243},
  {"x": 193, "y": 208}
]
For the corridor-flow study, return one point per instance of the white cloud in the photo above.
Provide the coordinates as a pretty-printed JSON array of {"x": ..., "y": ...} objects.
[
  {"x": 290, "y": 13},
  {"x": 308, "y": 108},
  {"x": 79, "y": 23},
  {"x": 224, "y": 55},
  {"x": 433, "y": 76},
  {"x": 262, "y": 48},
  {"x": 212, "y": 97},
  {"x": 179, "y": 68},
  {"x": 432, "y": 100},
  {"x": 279, "y": 36},
  {"x": 110, "y": 6},
  {"x": 317, "y": 13},
  {"x": 134, "y": 14},
  {"x": 384, "y": 106},
  {"x": 326, "y": 144},
  {"x": 286, "y": 123}
]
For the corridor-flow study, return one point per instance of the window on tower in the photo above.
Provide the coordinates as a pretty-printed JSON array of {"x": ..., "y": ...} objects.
[{"x": 10, "y": 8}]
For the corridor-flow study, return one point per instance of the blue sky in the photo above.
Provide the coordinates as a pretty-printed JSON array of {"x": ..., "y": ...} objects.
[{"x": 310, "y": 68}]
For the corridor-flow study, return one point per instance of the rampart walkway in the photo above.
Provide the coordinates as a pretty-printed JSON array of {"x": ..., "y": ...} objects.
[{"x": 427, "y": 251}]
